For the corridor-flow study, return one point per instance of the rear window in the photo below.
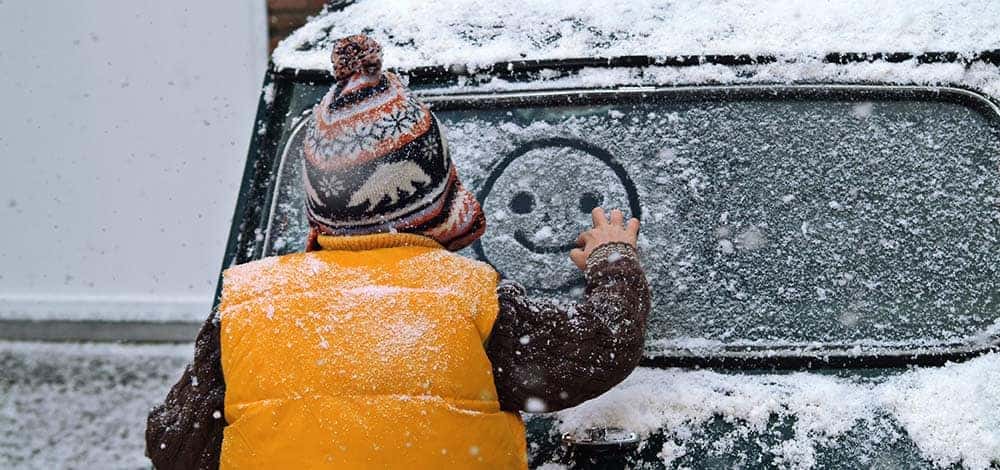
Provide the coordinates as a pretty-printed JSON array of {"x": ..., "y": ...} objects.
[{"x": 773, "y": 217}]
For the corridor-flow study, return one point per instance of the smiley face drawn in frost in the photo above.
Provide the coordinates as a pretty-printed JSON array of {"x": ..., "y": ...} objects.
[{"x": 538, "y": 200}]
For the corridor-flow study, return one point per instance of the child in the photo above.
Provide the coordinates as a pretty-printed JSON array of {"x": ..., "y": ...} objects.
[{"x": 379, "y": 347}]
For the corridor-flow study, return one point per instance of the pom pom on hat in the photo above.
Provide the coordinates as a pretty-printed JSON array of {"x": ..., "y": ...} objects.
[{"x": 357, "y": 54}]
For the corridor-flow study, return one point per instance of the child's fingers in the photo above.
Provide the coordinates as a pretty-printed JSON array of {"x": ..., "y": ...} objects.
[
  {"x": 578, "y": 258},
  {"x": 633, "y": 227},
  {"x": 599, "y": 218},
  {"x": 584, "y": 238},
  {"x": 617, "y": 218}
]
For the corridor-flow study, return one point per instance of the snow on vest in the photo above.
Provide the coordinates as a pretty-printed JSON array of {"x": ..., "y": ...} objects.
[{"x": 367, "y": 354}]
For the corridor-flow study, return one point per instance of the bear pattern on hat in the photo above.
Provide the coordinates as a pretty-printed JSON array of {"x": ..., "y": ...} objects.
[{"x": 375, "y": 159}]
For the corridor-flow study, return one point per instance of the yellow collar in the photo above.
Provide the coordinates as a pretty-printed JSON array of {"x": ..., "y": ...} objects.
[{"x": 375, "y": 241}]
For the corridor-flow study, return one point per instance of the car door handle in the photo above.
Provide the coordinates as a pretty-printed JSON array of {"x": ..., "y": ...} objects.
[{"x": 601, "y": 439}]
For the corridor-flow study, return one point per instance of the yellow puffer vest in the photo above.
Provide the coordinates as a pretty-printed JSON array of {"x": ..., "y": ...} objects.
[{"x": 367, "y": 354}]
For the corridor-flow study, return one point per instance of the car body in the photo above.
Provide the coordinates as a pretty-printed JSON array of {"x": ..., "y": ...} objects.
[{"x": 821, "y": 246}]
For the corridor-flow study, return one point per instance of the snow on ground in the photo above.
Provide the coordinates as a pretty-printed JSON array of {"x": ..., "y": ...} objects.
[
  {"x": 483, "y": 32},
  {"x": 951, "y": 413},
  {"x": 81, "y": 406},
  {"x": 86, "y": 406}
]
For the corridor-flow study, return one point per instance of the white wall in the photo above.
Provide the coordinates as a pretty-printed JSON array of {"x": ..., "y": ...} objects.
[{"x": 124, "y": 125}]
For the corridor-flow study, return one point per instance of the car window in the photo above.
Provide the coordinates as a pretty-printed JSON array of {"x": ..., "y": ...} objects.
[{"x": 860, "y": 217}]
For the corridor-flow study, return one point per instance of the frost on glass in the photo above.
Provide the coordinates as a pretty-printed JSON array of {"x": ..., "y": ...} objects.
[{"x": 765, "y": 222}]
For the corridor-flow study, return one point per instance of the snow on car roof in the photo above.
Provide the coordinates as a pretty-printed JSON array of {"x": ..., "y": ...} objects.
[{"x": 477, "y": 33}]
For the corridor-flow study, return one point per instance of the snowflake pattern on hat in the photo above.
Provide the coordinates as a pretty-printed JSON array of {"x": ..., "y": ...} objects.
[
  {"x": 330, "y": 185},
  {"x": 397, "y": 122},
  {"x": 342, "y": 138}
]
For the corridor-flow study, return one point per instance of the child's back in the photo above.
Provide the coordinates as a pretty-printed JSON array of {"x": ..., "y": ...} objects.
[{"x": 369, "y": 352}]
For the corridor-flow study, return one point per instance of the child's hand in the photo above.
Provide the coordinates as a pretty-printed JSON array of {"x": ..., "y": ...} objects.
[{"x": 604, "y": 232}]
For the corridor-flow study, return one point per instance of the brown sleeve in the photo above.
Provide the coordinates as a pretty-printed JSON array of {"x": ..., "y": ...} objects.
[
  {"x": 546, "y": 358},
  {"x": 185, "y": 431}
]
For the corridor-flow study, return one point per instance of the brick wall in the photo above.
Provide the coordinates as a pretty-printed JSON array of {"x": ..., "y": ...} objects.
[{"x": 284, "y": 16}]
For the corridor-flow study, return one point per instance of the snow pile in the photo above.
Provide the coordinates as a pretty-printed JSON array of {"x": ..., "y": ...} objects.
[
  {"x": 951, "y": 413},
  {"x": 483, "y": 32},
  {"x": 681, "y": 402}
]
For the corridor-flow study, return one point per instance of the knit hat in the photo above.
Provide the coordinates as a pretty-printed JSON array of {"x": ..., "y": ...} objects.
[{"x": 376, "y": 160}]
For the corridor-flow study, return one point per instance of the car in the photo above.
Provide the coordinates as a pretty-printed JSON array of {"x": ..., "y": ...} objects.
[{"x": 820, "y": 231}]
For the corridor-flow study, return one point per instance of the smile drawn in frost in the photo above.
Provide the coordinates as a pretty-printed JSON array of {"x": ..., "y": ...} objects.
[
  {"x": 541, "y": 249},
  {"x": 525, "y": 204}
]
